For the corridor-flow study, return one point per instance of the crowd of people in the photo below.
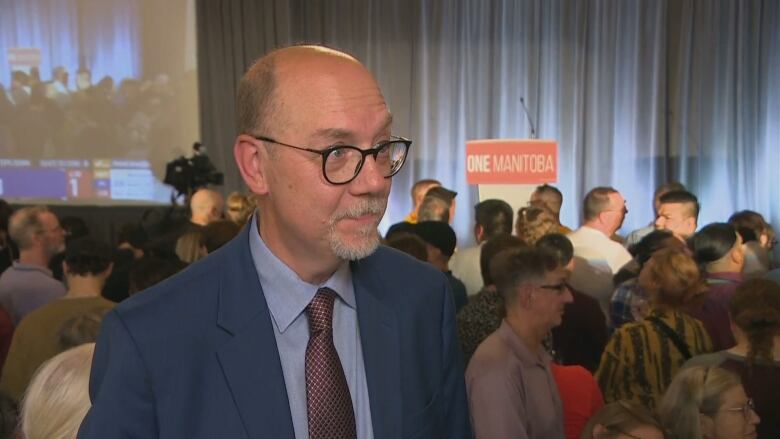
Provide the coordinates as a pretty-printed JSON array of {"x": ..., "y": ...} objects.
[
  {"x": 675, "y": 326},
  {"x": 57, "y": 284},
  {"x": 63, "y": 117},
  {"x": 305, "y": 326}
]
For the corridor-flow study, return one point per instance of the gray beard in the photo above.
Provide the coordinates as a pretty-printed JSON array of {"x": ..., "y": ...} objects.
[{"x": 369, "y": 236}]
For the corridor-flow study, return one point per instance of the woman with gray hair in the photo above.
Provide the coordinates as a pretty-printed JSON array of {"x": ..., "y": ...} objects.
[
  {"x": 58, "y": 399},
  {"x": 707, "y": 403}
]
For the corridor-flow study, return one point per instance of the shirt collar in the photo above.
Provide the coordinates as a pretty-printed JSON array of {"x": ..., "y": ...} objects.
[
  {"x": 286, "y": 294},
  {"x": 594, "y": 233},
  {"x": 727, "y": 276},
  {"x": 517, "y": 345},
  {"x": 32, "y": 267}
]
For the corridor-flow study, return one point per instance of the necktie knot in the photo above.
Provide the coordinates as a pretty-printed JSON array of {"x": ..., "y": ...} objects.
[{"x": 320, "y": 310}]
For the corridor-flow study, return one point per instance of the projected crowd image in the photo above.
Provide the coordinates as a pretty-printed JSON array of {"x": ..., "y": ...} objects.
[{"x": 76, "y": 126}]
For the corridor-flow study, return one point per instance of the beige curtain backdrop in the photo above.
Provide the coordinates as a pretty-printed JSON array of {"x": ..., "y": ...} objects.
[{"x": 635, "y": 92}]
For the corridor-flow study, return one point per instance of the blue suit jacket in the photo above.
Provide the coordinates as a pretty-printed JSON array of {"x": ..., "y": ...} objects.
[{"x": 196, "y": 356}]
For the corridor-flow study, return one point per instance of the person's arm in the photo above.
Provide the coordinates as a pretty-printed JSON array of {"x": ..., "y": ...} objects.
[
  {"x": 122, "y": 399},
  {"x": 455, "y": 403},
  {"x": 497, "y": 410}
]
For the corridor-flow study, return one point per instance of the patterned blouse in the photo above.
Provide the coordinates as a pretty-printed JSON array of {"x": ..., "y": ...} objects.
[
  {"x": 478, "y": 319},
  {"x": 640, "y": 360}
]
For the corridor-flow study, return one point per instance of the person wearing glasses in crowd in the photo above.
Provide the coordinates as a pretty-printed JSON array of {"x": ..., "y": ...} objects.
[
  {"x": 302, "y": 326},
  {"x": 755, "y": 321},
  {"x": 29, "y": 284},
  {"x": 511, "y": 388},
  {"x": 707, "y": 403}
]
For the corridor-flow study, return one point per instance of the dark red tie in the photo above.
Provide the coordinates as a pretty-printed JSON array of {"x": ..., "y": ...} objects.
[{"x": 328, "y": 401}]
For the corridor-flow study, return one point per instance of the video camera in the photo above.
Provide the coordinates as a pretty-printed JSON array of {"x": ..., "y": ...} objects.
[{"x": 187, "y": 175}]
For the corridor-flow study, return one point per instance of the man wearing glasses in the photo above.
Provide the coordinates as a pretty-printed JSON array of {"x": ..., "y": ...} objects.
[
  {"x": 301, "y": 327},
  {"x": 512, "y": 392},
  {"x": 28, "y": 284}
]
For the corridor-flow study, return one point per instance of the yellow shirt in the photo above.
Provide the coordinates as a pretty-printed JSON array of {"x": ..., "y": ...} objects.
[{"x": 640, "y": 361}]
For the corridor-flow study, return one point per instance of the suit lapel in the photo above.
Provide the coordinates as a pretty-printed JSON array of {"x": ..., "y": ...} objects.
[
  {"x": 250, "y": 359},
  {"x": 381, "y": 352}
]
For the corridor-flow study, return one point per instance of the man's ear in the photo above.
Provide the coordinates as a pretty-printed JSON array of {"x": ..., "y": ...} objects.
[
  {"x": 738, "y": 255},
  {"x": 251, "y": 158},
  {"x": 691, "y": 221},
  {"x": 478, "y": 232},
  {"x": 524, "y": 295}
]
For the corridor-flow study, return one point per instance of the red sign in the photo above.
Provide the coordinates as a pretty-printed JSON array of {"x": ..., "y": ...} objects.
[{"x": 511, "y": 161}]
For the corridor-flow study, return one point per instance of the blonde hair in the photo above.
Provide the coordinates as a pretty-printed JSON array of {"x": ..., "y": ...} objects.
[
  {"x": 694, "y": 390},
  {"x": 58, "y": 399},
  {"x": 188, "y": 247},
  {"x": 242, "y": 204},
  {"x": 533, "y": 223}
]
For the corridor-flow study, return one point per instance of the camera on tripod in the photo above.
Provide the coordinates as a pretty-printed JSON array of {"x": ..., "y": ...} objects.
[{"x": 188, "y": 174}]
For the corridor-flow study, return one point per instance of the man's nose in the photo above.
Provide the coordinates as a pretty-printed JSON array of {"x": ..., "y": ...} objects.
[{"x": 371, "y": 177}]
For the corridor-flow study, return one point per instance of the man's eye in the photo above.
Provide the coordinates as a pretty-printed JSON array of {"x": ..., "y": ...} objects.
[{"x": 338, "y": 153}]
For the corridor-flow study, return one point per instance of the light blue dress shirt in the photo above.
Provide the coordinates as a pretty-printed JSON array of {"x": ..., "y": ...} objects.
[{"x": 287, "y": 297}]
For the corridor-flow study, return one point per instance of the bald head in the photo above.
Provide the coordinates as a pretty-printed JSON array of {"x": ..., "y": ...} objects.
[
  {"x": 260, "y": 100},
  {"x": 206, "y": 206}
]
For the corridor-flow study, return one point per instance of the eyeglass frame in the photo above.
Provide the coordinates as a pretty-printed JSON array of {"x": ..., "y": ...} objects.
[
  {"x": 560, "y": 288},
  {"x": 326, "y": 152},
  {"x": 750, "y": 406}
]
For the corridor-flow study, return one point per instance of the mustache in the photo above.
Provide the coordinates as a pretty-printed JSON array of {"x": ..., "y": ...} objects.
[{"x": 366, "y": 206}]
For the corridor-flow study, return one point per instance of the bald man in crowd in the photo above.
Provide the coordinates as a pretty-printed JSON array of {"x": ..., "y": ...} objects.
[
  {"x": 596, "y": 256},
  {"x": 206, "y": 206},
  {"x": 302, "y": 326}
]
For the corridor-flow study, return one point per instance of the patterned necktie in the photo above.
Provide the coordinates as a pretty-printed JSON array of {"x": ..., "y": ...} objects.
[{"x": 328, "y": 401}]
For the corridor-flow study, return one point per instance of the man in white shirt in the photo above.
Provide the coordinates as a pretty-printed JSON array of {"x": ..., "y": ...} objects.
[{"x": 597, "y": 257}]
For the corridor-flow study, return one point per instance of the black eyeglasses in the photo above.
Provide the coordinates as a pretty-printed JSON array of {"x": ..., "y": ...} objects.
[
  {"x": 342, "y": 163},
  {"x": 560, "y": 288}
]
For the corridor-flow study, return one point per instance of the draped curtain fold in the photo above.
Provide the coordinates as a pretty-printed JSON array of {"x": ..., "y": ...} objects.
[{"x": 636, "y": 93}]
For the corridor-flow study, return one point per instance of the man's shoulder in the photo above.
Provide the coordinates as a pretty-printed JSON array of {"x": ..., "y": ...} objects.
[
  {"x": 396, "y": 266},
  {"x": 467, "y": 253},
  {"x": 493, "y": 356},
  {"x": 27, "y": 276},
  {"x": 707, "y": 360},
  {"x": 195, "y": 286}
]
